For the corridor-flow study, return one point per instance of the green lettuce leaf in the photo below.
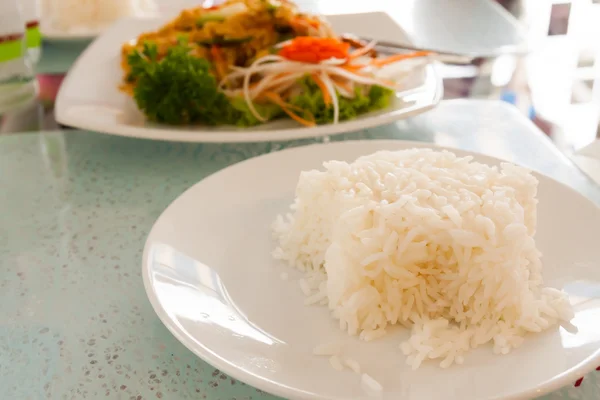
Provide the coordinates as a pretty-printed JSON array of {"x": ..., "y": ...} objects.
[
  {"x": 181, "y": 89},
  {"x": 241, "y": 115},
  {"x": 311, "y": 99}
]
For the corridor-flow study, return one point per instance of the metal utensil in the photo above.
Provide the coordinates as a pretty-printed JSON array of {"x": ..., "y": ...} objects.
[{"x": 386, "y": 47}]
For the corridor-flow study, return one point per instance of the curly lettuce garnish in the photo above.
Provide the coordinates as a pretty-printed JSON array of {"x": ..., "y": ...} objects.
[{"x": 181, "y": 89}]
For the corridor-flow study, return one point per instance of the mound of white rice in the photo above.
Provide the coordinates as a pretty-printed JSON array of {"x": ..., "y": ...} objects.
[
  {"x": 82, "y": 15},
  {"x": 426, "y": 239}
]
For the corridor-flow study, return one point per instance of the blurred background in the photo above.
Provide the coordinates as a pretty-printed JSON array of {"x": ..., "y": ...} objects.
[{"x": 539, "y": 55}]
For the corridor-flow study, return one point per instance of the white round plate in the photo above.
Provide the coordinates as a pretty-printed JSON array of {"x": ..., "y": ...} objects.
[
  {"x": 208, "y": 272},
  {"x": 98, "y": 105}
]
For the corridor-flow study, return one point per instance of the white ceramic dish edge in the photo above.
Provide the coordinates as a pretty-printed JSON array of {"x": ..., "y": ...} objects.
[
  {"x": 81, "y": 121},
  {"x": 566, "y": 378}
]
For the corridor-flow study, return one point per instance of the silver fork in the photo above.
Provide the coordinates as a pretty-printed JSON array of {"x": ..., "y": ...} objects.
[{"x": 386, "y": 47}]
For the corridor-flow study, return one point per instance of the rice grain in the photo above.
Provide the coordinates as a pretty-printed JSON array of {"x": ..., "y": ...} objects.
[{"x": 425, "y": 239}]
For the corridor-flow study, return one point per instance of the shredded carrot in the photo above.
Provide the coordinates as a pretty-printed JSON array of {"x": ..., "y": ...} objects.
[
  {"x": 321, "y": 84},
  {"x": 341, "y": 83},
  {"x": 289, "y": 109},
  {"x": 355, "y": 71},
  {"x": 359, "y": 52},
  {"x": 215, "y": 52},
  {"x": 379, "y": 62},
  {"x": 314, "y": 49},
  {"x": 353, "y": 67}
]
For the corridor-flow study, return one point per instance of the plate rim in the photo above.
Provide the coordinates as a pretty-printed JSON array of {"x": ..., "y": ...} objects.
[
  {"x": 273, "y": 387},
  {"x": 63, "y": 116}
]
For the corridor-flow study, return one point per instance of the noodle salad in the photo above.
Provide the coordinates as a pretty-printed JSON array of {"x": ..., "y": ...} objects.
[{"x": 247, "y": 62}]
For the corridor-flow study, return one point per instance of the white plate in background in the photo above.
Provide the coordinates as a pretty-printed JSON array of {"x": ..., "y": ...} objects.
[
  {"x": 84, "y": 32},
  {"x": 89, "y": 97}
]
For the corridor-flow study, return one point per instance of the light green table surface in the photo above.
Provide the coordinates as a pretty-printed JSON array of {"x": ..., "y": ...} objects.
[
  {"x": 57, "y": 57},
  {"x": 76, "y": 209}
]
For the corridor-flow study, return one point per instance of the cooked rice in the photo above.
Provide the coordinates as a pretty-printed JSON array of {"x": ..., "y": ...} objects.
[
  {"x": 424, "y": 239},
  {"x": 82, "y": 15},
  {"x": 304, "y": 287},
  {"x": 352, "y": 364},
  {"x": 370, "y": 383},
  {"x": 336, "y": 363}
]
